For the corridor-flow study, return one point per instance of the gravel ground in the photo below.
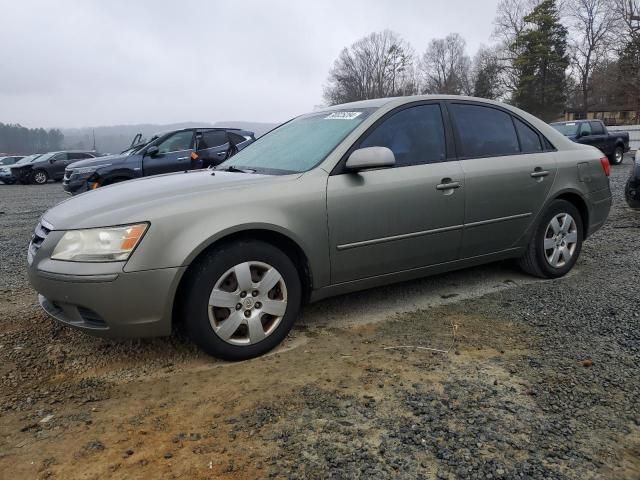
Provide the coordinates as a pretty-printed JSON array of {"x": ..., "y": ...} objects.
[
  {"x": 538, "y": 380},
  {"x": 20, "y": 209}
]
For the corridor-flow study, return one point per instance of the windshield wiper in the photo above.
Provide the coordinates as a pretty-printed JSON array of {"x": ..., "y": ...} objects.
[{"x": 231, "y": 168}]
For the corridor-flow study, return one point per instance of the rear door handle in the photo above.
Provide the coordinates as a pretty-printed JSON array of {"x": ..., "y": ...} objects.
[
  {"x": 221, "y": 153},
  {"x": 447, "y": 184},
  {"x": 539, "y": 173}
]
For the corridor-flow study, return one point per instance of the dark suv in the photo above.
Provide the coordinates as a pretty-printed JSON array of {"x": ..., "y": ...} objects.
[
  {"x": 174, "y": 151},
  {"x": 49, "y": 166}
]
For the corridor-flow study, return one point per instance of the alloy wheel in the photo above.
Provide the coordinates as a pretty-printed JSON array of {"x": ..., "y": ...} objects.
[
  {"x": 560, "y": 240},
  {"x": 618, "y": 156},
  {"x": 247, "y": 303},
  {"x": 40, "y": 178}
]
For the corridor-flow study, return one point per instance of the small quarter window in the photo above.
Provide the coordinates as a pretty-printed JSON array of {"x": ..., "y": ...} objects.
[{"x": 529, "y": 139}]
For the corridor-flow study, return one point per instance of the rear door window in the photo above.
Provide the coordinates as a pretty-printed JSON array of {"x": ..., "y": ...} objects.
[
  {"x": 212, "y": 138},
  {"x": 484, "y": 131},
  {"x": 415, "y": 135},
  {"x": 236, "y": 139}
]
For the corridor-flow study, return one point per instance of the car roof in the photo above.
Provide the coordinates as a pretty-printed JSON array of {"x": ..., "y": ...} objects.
[
  {"x": 575, "y": 121},
  {"x": 381, "y": 102}
]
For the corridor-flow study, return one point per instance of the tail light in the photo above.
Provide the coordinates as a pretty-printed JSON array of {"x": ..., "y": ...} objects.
[{"x": 604, "y": 161}]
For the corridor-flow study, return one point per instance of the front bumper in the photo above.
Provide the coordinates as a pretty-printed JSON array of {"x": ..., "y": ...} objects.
[
  {"x": 75, "y": 186},
  {"x": 7, "y": 178},
  {"x": 110, "y": 302},
  {"x": 132, "y": 304}
]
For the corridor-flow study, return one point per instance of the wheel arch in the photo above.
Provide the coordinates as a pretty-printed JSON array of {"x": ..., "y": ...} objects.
[
  {"x": 579, "y": 202},
  {"x": 273, "y": 237}
]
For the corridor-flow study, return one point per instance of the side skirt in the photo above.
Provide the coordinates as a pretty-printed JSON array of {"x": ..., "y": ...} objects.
[{"x": 386, "y": 279}]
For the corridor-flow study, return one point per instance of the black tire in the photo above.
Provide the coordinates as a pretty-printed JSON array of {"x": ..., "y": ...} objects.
[
  {"x": 39, "y": 177},
  {"x": 632, "y": 194},
  {"x": 200, "y": 281},
  {"x": 534, "y": 261},
  {"x": 613, "y": 158}
]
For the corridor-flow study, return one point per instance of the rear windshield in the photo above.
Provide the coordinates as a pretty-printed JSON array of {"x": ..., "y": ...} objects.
[
  {"x": 299, "y": 145},
  {"x": 567, "y": 129}
]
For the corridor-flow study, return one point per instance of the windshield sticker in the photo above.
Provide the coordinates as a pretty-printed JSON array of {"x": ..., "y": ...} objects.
[{"x": 342, "y": 116}]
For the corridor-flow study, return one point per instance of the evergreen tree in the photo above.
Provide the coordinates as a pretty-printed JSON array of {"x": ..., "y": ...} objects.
[{"x": 542, "y": 63}]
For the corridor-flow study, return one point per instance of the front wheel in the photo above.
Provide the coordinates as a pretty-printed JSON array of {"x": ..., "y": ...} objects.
[
  {"x": 616, "y": 157},
  {"x": 556, "y": 243},
  {"x": 241, "y": 300},
  {"x": 40, "y": 177}
]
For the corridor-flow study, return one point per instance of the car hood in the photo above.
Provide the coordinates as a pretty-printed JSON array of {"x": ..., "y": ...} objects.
[
  {"x": 90, "y": 162},
  {"x": 147, "y": 198}
]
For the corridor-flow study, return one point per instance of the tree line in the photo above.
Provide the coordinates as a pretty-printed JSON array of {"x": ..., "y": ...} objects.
[
  {"x": 16, "y": 139},
  {"x": 544, "y": 56}
]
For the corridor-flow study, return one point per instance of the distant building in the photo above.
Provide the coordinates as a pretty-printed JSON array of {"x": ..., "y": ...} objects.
[{"x": 609, "y": 114}]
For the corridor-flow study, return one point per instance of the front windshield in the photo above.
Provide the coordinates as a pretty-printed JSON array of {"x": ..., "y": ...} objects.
[
  {"x": 567, "y": 129},
  {"x": 46, "y": 156},
  {"x": 28, "y": 159},
  {"x": 299, "y": 145}
]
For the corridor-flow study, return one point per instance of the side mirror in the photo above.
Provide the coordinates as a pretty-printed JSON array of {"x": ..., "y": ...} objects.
[
  {"x": 370, "y": 157},
  {"x": 152, "y": 151},
  {"x": 52, "y": 160},
  {"x": 584, "y": 134}
]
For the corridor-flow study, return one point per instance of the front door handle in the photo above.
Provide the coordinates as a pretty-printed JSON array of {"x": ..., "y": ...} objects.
[
  {"x": 539, "y": 173},
  {"x": 221, "y": 153},
  {"x": 182, "y": 158},
  {"x": 447, "y": 184}
]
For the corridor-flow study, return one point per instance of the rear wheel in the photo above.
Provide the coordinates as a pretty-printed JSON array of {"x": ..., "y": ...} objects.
[
  {"x": 556, "y": 243},
  {"x": 40, "y": 177},
  {"x": 616, "y": 157},
  {"x": 241, "y": 300}
]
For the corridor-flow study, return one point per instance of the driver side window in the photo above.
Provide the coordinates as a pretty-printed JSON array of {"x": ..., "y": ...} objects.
[
  {"x": 415, "y": 135},
  {"x": 585, "y": 128},
  {"x": 176, "y": 142}
]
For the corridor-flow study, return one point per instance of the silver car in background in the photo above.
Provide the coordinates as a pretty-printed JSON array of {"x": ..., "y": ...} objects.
[{"x": 351, "y": 197}]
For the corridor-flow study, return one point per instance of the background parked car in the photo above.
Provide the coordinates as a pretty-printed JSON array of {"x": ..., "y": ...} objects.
[
  {"x": 632, "y": 190},
  {"x": 10, "y": 160},
  {"x": 178, "y": 150},
  {"x": 5, "y": 170},
  {"x": 49, "y": 166},
  {"x": 595, "y": 133}
]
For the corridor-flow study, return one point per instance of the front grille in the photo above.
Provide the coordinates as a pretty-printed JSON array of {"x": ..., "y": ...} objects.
[{"x": 42, "y": 230}]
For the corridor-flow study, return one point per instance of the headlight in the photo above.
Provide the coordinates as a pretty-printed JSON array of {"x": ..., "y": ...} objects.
[
  {"x": 106, "y": 244},
  {"x": 87, "y": 170}
]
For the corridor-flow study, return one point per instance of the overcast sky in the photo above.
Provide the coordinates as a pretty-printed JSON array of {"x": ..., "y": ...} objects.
[{"x": 91, "y": 63}]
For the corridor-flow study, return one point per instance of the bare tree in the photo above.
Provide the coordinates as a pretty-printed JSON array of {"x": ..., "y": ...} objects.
[
  {"x": 509, "y": 21},
  {"x": 628, "y": 18},
  {"x": 378, "y": 65},
  {"x": 592, "y": 23},
  {"x": 445, "y": 67}
]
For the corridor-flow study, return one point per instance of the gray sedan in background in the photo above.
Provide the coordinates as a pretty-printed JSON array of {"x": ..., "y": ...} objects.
[{"x": 351, "y": 197}]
